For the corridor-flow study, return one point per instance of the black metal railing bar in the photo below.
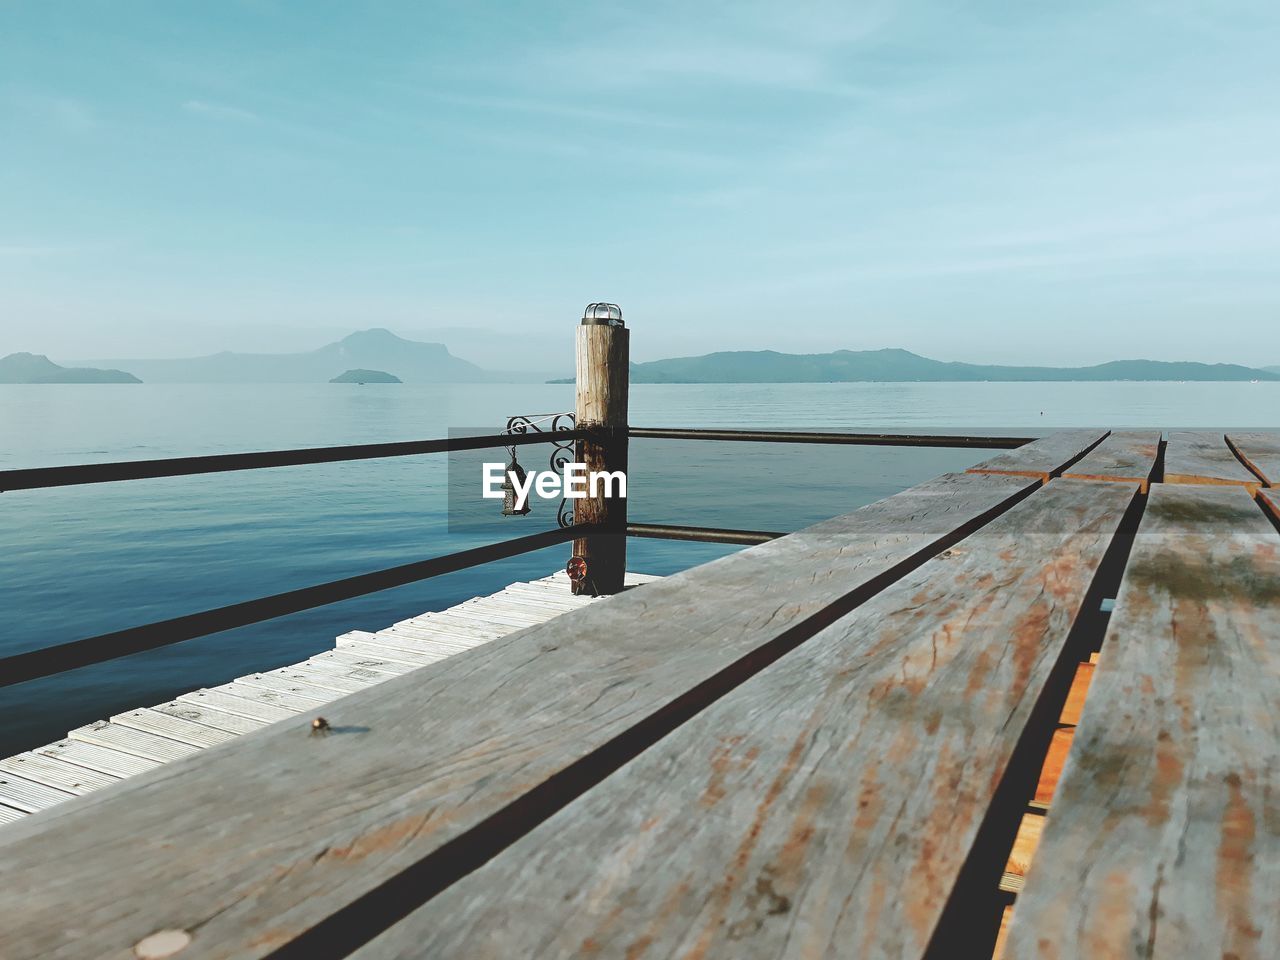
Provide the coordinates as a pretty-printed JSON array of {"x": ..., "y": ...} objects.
[
  {"x": 43, "y": 477},
  {"x": 807, "y": 436},
  {"x": 48, "y": 661},
  {"x": 667, "y": 531}
]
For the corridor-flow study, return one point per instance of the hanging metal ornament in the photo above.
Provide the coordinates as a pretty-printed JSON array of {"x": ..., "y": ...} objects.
[{"x": 509, "y": 508}]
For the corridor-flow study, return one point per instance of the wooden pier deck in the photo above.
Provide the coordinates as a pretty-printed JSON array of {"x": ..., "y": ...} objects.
[
  {"x": 103, "y": 753},
  {"x": 1030, "y": 709}
]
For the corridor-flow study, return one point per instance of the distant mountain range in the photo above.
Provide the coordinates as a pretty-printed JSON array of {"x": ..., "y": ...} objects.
[
  {"x": 37, "y": 368},
  {"x": 377, "y": 349},
  {"x": 380, "y": 351},
  {"x": 768, "y": 366}
]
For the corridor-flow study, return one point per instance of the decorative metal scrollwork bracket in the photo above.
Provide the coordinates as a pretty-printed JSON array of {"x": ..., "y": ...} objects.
[{"x": 562, "y": 449}]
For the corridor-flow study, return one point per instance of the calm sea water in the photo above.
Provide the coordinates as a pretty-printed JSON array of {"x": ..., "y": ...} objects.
[{"x": 81, "y": 561}]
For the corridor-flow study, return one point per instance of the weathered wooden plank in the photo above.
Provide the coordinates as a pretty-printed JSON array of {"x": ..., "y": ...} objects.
[
  {"x": 472, "y": 626},
  {"x": 459, "y": 639},
  {"x": 93, "y": 757},
  {"x": 511, "y": 606},
  {"x": 360, "y": 661},
  {"x": 127, "y": 740},
  {"x": 53, "y": 772},
  {"x": 825, "y": 806},
  {"x": 421, "y": 760},
  {"x": 329, "y": 679},
  {"x": 253, "y": 710},
  {"x": 29, "y": 795},
  {"x": 1124, "y": 455},
  {"x": 489, "y": 613},
  {"x": 294, "y": 702},
  {"x": 1260, "y": 452},
  {"x": 430, "y": 647},
  {"x": 1165, "y": 829},
  {"x": 410, "y": 658},
  {"x": 324, "y": 663},
  {"x": 174, "y": 728},
  {"x": 528, "y": 594},
  {"x": 447, "y": 629},
  {"x": 417, "y": 643},
  {"x": 297, "y": 686},
  {"x": 210, "y": 716},
  {"x": 1204, "y": 458},
  {"x": 1044, "y": 458}
]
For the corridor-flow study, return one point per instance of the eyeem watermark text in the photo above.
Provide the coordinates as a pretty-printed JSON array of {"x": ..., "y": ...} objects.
[{"x": 576, "y": 484}]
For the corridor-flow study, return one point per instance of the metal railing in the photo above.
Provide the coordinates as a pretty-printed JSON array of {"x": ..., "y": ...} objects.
[{"x": 49, "y": 661}]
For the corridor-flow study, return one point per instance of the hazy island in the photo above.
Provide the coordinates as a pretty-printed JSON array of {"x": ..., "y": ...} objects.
[
  {"x": 366, "y": 376},
  {"x": 37, "y": 368},
  {"x": 376, "y": 349},
  {"x": 890, "y": 365}
]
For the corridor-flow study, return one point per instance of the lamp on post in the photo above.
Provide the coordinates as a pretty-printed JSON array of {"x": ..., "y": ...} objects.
[{"x": 607, "y": 314}]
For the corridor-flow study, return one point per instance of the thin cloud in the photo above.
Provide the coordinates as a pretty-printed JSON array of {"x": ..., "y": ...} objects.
[
  {"x": 549, "y": 108},
  {"x": 66, "y": 114},
  {"x": 220, "y": 111}
]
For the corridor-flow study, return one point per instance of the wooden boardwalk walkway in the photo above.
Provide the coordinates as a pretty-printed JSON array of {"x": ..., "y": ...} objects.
[
  {"x": 1033, "y": 709},
  {"x": 103, "y": 753}
]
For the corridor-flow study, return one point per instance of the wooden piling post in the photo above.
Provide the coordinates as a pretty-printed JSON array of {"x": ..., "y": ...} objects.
[{"x": 602, "y": 351}]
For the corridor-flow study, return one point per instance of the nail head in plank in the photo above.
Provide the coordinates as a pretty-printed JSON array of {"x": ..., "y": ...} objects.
[
  {"x": 432, "y": 755},
  {"x": 293, "y": 702},
  {"x": 316, "y": 677},
  {"x": 254, "y": 710},
  {"x": 1164, "y": 826},
  {"x": 297, "y": 686},
  {"x": 29, "y": 795},
  {"x": 93, "y": 757},
  {"x": 1192, "y": 457},
  {"x": 204, "y": 714},
  {"x": 729, "y": 836},
  {"x": 174, "y": 728},
  {"x": 1123, "y": 455},
  {"x": 127, "y": 740},
  {"x": 360, "y": 661},
  {"x": 1260, "y": 452},
  {"x": 1044, "y": 458},
  {"x": 410, "y": 659}
]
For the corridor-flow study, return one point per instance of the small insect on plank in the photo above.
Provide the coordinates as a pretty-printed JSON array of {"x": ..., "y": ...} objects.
[{"x": 320, "y": 727}]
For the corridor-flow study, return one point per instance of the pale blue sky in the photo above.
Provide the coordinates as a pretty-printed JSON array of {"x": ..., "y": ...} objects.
[{"x": 988, "y": 181}]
